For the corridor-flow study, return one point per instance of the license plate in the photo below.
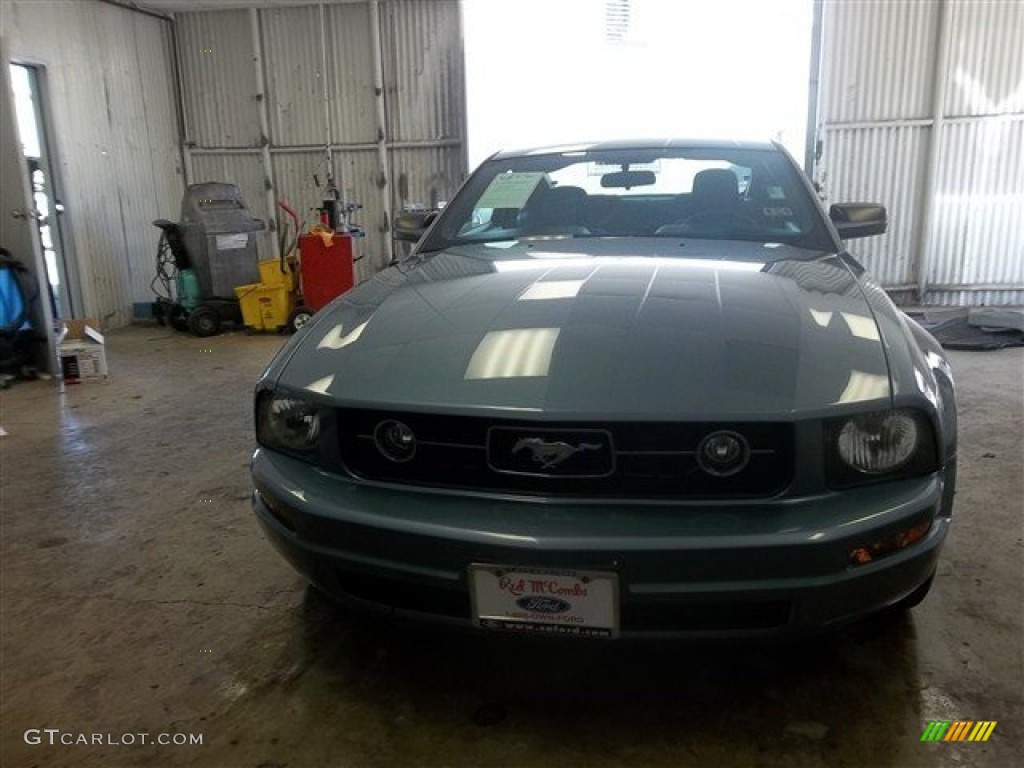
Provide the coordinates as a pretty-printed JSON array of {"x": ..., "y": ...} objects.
[{"x": 580, "y": 603}]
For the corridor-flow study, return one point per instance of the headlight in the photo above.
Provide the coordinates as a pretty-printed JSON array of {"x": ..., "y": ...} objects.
[
  {"x": 878, "y": 442},
  {"x": 879, "y": 445},
  {"x": 287, "y": 423}
]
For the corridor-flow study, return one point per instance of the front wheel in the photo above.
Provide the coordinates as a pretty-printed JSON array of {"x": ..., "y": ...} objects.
[
  {"x": 298, "y": 318},
  {"x": 203, "y": 322}
]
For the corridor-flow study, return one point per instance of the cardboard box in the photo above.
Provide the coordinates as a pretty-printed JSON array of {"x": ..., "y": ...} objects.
[{"x": 83, "y": 355}]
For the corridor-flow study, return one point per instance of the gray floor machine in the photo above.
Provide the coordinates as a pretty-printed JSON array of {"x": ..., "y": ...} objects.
[{"x": 203, "y": 257}]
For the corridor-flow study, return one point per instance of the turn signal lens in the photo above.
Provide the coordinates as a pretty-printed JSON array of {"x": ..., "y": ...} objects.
[{"x": 890, "y": 544}]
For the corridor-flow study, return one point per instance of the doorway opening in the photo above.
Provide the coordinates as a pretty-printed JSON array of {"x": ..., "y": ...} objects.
[
  {"x": 635, "y": 69},
  {"x": 47, "y": 208}
]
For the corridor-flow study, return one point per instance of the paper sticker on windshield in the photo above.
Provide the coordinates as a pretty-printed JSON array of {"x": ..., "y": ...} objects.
[{"x": 510, "y": 190}]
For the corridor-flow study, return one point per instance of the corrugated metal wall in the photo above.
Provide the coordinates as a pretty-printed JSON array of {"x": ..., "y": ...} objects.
[
  {"x": 922, "y": 109},
  {"x": 109, "y": 77},
  {"x": 318, "y": 65}
]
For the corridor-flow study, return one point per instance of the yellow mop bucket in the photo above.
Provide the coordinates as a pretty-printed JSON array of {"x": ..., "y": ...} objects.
[
  {"x": 265, "y": 307},
  {"x": 271, "y": 274}
]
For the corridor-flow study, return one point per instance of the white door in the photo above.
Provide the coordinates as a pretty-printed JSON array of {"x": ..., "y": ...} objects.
[{"x": 19, "y": 232}]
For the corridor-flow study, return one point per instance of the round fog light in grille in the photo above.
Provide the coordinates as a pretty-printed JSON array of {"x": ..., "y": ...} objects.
[
  {"x": 395, "y": 440},
  {"x": 723, "y": 453}
]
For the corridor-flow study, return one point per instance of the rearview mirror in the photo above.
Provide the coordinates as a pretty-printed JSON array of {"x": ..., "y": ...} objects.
[
  {"x": 628, "y": 179},
  {"x": 410, "y": 226},
  {"x": 858, "y": 219}
]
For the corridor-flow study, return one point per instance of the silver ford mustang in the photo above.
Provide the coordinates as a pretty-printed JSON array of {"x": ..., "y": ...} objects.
[{"x": 616, "y": 389}]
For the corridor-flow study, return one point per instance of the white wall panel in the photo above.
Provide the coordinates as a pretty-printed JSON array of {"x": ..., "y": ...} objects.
[
  {"x": 877, "y": 60},
  {"x": 426, "y": 176},
  {"x": 979, "y": 223},
  {"x": 945, "y": 156},
  {"x": 218, "y": 79},
  {"x": 295, "y": 80},
  {"x": 423, "y": 69},
  {"x": 978, "y": 299},
  {"x": 109, "y": 75},
  {"x": 350, "y": 62},
  {"x": 986, "y": 59},
  {"x": 883, "y": 165},
  {"x": 424, "y": 100}
]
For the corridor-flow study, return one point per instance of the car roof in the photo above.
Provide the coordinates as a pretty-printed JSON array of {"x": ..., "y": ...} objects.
[{"x": 621, "y": 144}]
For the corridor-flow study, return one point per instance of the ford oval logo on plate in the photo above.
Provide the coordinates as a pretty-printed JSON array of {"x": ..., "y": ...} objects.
[{"x": 543, "y": 604}]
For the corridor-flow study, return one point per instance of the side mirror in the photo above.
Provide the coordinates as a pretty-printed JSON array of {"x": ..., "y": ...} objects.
[
  {"x": 858, "y": 219},
  {"x": 410, "y": 226}
]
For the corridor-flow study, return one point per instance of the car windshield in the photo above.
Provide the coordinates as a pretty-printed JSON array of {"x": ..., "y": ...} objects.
[{"x": 710, "y": 193}]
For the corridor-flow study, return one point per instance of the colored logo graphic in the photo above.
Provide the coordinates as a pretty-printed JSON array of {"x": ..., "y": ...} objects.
[
  {"x": 958, "y": 730},
  {"x": 543, "y": 604}
]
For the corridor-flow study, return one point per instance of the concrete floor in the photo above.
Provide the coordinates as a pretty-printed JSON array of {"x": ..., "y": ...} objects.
[{"x": 139, "y": 595}]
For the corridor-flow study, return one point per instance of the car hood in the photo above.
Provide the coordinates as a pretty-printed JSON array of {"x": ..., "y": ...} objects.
[{"x": 624, "y": 329}]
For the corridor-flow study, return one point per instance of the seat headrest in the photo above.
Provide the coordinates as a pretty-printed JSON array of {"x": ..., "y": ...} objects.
[
  {"x": 566, "y": 195},
  {"x": 556, "y": 207},
  {"x": 716, "y": 185}
]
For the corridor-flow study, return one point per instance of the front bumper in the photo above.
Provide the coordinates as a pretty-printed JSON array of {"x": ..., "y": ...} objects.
[{"x": 688, "y": 569}]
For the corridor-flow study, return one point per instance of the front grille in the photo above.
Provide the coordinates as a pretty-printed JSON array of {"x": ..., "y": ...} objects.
[{"x": 634, "y": 460}]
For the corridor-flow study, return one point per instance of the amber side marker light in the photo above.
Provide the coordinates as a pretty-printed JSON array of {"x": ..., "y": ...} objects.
[
  {"x": 892, "y": 543},
  {"x": 280, "y": 512}
]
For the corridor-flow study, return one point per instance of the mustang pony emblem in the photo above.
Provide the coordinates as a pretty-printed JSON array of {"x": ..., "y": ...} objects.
[{"x": 551, "y": 454}]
